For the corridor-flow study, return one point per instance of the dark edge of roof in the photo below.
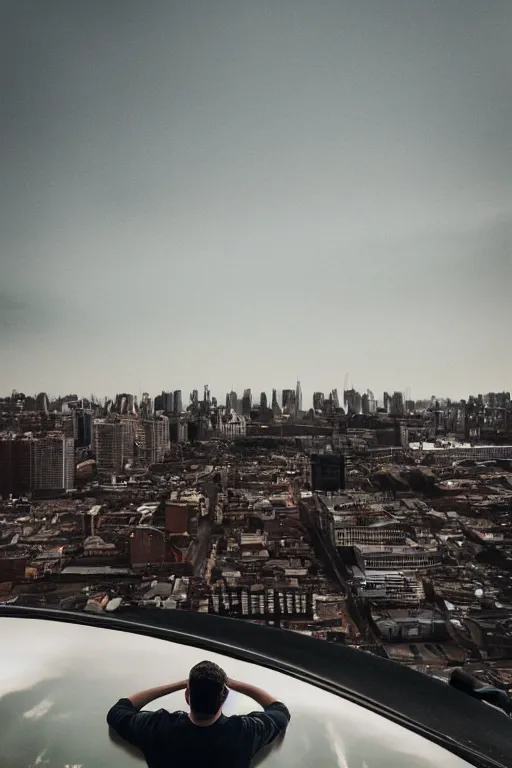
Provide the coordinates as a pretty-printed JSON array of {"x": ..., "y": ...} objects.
[{"x": 470, "y": 729}]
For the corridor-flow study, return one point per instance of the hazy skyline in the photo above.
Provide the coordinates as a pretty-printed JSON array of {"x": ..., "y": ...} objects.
[{"x": 235, "y": 192}]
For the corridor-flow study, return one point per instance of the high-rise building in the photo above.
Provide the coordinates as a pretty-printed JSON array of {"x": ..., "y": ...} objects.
[
  {"x": 246, "y": 402},
  {"x": 156, "y": 439},
  {"x": 114, "y": 443},
  {"x": 263, "y": 401},
  {"x": 159, "y": 402},
  {"x": 298, "y": 396},
  {"x": 54, "y": 463},
  {"x": 42, "y": 402},
  {"x": 353, "y": 401},
  {"x": 16, "y": 466},
  {"x": 178, "y": 403},
  {"x": 232, "y": 401},
  {"x": 146, "y": 406},
  {"x": 288, "y": 398},
  {"x": 387, "y": 401},
  {"x": 318, "y": 401},
  {"x": 290, "y": 401},
  {"x": 397, "y": 404},
  {"x": 82, "y": 427},
  {"x": 276, "y": 410},
  {"x": 164, "y": 402},
  {"x": 168, "y": 401},
  {"x": 125, "y": 404},
  {"x": 335, "y": 399}
]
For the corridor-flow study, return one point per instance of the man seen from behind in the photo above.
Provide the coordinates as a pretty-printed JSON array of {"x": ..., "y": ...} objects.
[{"x": 204, "y": 736}]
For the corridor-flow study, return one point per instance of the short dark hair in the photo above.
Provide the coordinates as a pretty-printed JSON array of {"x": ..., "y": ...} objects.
[{"x": 207, "y": 686}]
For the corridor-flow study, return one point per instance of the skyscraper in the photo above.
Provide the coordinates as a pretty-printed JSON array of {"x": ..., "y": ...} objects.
[
  {"x": 54, "y": 463},
  {"x": 156, "y": 439},
  {"x": 247, "y": 402},
  {"x": 82, "y": 427},
  {"x": 16, "y": 466},
  {"x": 397, "y": 404},
  {"x": 114, "y": 443},
  {"x": 289, "y": 400},
  {"x": 298, "y": 396},
  {"x": 352, "y": 400},
  {"x": 318, "y": 401},
  {"x": 42, "y": 402},
  {"x": 232, "y": 401},
  {"x": 276, "y": 410},
  {"x": 178, "y": 403}
]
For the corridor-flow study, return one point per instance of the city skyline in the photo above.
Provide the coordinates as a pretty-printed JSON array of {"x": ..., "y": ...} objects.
[
  {"x": 306, "y": 399},
  {"x": 243, "y": 190}
]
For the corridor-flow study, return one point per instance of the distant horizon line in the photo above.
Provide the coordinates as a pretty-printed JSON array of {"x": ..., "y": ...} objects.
[{"x": 255, "y": 394}]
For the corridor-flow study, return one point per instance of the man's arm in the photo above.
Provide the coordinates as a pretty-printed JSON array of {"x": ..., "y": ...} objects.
[
  {"x": 262, "y": 727},
  {"x": 258, "y": 695},
  {"x": 143, "y": 698},
  {"x": 129, "y": 722}
]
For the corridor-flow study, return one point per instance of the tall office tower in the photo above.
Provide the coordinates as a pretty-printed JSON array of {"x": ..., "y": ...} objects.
[
  {"x": 372, "y": 403},
  {"x": 113, "y": 444},
  {"x": 352, "y": 400},
  {"x": 365, "y": 404},
  {"x": 66, "y": 423},
  {"x": 169, "y": 402},
  {"x": 156, "y": 439},
  {"x": 298, "y": 396},
  {"x": 335, "y": 398},
  {"x": 54, "y": 463},
  {"x": 82, "y": 427},
  {"x": 194, "y": 398},
  {"x": 42, "y": 402},
  {"x": 289, "y": 401},
  {"x": 276, "y": 410},
  {"x": 146, "y": 406},
  {"x": 233, "y": 401},
  {"x": 246, "y": 402},
  {"x": 159, "y": 402},
  {"x": 318, "y": 401},
  {"x": 397, "y": 404},
  {"x": 386, "y": 401},
  {"x": 263, "y": 401},
  {"x": 16, "y": 466},
  {"x": 178, "y": 403}
]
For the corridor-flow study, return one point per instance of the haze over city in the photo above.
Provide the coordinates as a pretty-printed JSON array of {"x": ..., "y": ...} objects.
[{"x": 239, "y": 193}]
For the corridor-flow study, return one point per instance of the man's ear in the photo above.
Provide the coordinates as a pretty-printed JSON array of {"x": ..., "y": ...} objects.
[
  {"x": 187, "y": 695},
  {"x": 225, "y": 694}
]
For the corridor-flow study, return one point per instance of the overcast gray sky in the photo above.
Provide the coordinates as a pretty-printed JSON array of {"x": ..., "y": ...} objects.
[{"x": 233, "y": 192}]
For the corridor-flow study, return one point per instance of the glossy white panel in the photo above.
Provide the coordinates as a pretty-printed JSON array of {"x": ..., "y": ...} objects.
[{"x": 58, "y": 680}]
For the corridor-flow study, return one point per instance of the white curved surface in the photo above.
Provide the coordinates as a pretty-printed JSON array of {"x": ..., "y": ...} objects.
[{"x": 57, "y": 682}]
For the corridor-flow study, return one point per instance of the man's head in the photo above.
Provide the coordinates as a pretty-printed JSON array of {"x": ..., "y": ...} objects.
[{"x": 207, "y": 689}]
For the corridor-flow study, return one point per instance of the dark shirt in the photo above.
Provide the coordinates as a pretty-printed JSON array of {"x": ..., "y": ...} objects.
[{"x": 170, "y": 739}]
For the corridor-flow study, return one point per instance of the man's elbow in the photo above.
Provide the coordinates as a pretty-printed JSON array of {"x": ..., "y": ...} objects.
[{"x": 113, "y": 716}]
